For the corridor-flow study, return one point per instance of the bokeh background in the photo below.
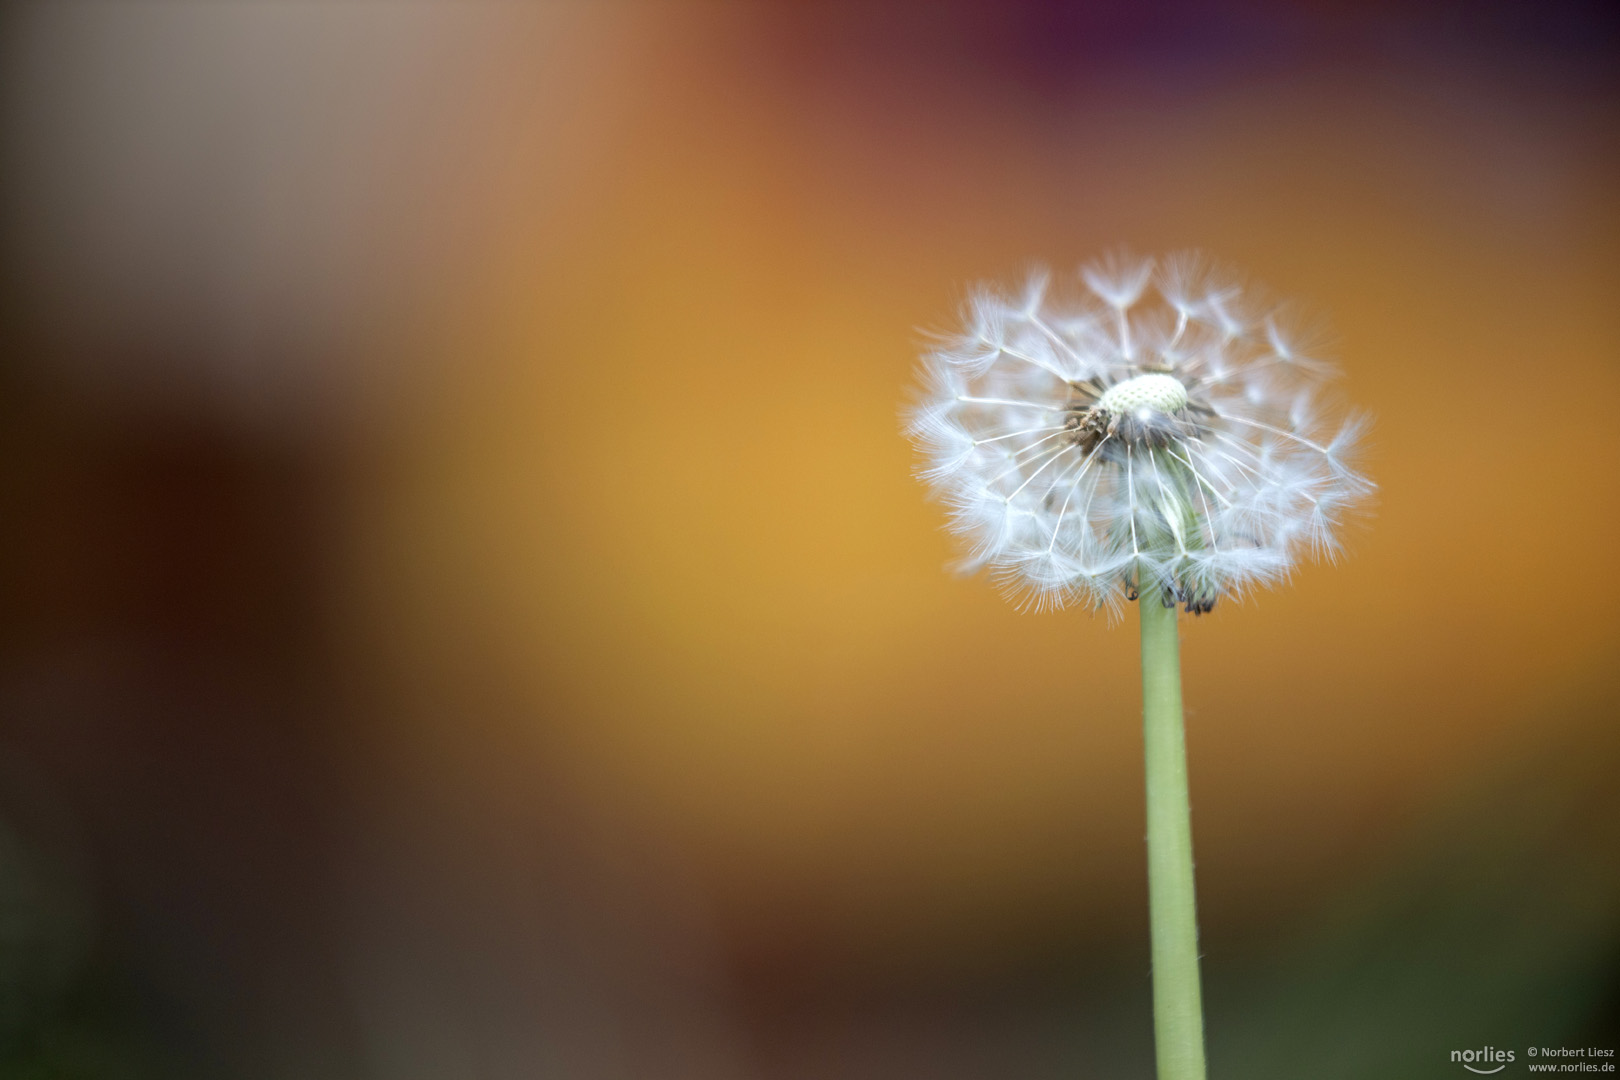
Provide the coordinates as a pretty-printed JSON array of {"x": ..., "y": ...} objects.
[{"x": 465, "y": 611}]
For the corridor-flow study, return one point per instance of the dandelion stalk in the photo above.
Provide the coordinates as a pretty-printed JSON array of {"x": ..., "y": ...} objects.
[{"x": 1178, "y": 1019}]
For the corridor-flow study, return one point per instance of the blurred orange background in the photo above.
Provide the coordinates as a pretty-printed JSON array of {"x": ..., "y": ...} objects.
[{"x": 467, "y": 611}]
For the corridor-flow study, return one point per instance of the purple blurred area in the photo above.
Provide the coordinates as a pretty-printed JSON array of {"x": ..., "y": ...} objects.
[{"x": 464, "y": 612}]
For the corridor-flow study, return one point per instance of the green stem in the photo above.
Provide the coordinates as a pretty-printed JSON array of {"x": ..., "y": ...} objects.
[{"x": 1178, "y": 1020}]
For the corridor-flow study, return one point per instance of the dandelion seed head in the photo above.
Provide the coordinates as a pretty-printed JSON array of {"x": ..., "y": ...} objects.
[{"x": 1154, "y": 425}]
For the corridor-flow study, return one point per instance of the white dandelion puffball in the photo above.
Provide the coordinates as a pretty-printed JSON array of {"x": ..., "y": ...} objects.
[{"x": 1156, "y": 427}]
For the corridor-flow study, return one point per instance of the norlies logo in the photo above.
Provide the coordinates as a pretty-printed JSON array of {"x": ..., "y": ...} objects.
[{"x": 1484, "y": 1057}]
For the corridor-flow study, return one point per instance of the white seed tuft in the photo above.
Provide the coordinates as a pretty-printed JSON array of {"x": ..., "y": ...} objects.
[{"x": 1171, "y": 436}]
